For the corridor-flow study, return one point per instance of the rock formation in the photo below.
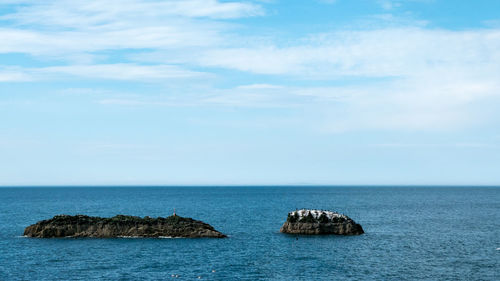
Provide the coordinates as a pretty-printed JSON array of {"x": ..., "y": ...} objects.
[
  {"x": 120, "y": 226},
  {"x": 320, "y": 222}
]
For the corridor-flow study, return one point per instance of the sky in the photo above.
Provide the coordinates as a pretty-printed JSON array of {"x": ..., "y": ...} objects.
[{"x": 212, "y": 92}]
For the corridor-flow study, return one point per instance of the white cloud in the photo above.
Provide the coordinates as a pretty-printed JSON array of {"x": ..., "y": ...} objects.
[
  {"x": 392, "y": 4},
  {"x": 68, "y": 44},
  {"x": 68, "y": 29},
  {"x": 119, "y": 71},
  {"x": 460, "y": 145},
  {"x": 370, "y": 53},
  {"x": 412, "y": 77},
  {"x": 14, "y": 75},
  {"x": 389, "y": 4},
  {"x": 413, "y": 103},
  {"x": 122, "y": 71},
  {"x": 327, "y": 1},
  {"x": 88, "y": 14},
  {"x": 259, "y": 87},
  {"x": 135, "y": 102}
]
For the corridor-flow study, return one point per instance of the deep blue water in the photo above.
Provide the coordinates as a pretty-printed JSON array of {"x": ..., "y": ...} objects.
[{"x": 412, "y": 233}]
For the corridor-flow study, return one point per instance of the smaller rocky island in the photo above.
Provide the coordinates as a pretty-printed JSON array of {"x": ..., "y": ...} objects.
[
  {"x": 320, "y": 222},
  {"x": 80, "y": 226}
]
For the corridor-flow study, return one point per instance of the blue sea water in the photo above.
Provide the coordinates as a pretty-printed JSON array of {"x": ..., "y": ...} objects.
[{"x": 412, "y": 233}]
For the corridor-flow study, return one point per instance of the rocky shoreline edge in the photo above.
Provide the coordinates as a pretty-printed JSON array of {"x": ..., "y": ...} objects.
[
  {"x": 121, "y": 226},
  {"x": 317, "y": 222},
  {"x": 304, "y": 221}
]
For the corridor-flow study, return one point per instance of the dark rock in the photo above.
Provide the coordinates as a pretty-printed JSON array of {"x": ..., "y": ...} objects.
[
  {"x": 320, "y": 222},
  {"x": 120, "y": 226}
]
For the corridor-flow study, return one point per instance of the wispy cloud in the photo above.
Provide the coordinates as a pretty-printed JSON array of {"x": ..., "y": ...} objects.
[
  {"x": 85, "y": 14},
  {"x": 460, "y": 145},
  {"x": 67, "y": 44},
  {"x": 14, "y": 74},
  {"x": 327, "y": 1},
  {"x": 67, "y": 28},
  {"x": 374, "y": 53},
  {"x": 413, "y": 77},
  {"x": 389, "y": 4},
  {"x": 415, "y": 103},
  {"x": 259, "y": 87},
  {"x": 120, "y": 71}
]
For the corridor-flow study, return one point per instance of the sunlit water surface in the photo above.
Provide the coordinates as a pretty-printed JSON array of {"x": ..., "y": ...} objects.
[{"x": 412, "y": 233}]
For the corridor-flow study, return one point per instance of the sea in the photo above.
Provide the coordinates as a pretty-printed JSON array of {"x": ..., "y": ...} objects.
[{"x": 411, "y": 233}]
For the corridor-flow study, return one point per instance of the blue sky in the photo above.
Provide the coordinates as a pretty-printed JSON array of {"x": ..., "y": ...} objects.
[{"x": 249, "y": 92}]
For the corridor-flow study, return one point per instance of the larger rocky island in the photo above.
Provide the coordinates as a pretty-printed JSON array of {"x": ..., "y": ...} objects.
[
  {"x": 320, "y": 222},
  {"x": 121, "y": 226}
]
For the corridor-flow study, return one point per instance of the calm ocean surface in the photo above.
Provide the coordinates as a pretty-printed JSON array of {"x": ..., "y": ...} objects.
[{"x": 412, "y": 233}]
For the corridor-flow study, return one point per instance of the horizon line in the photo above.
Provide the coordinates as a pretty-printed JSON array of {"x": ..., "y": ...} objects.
[{"x": 246, "y": 185}]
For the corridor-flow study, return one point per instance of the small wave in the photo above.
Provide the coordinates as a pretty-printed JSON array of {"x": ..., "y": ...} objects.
[
  {"x": 140, "y": 237},
  {"x": 498, "y": 249},
  {"x": 22, "y": 236}
]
